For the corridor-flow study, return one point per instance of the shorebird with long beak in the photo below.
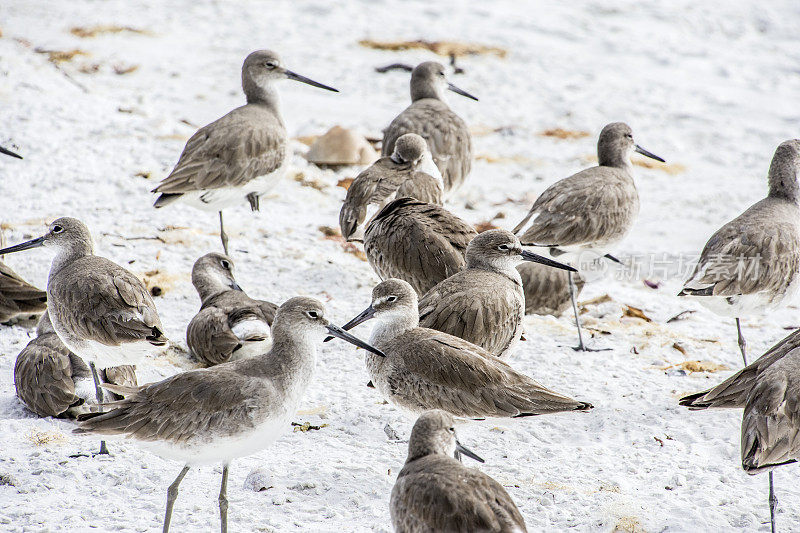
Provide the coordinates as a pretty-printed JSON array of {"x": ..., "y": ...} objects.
[
  {"x": 411, "y": 161},
  {"x": 752, "y": 263},
  {"x": 435, "y": 492},
  {"x": 427, "y": 369},
  {"x": 590, "y": 211},
  {"x": 769, "y": 392},
  {"x": 230, "y": 324},
  {"x": 485, "y": 303},
  {"x": 231, "y": 410},
  {"x": 241, "y": 155},
  {"x": 429, "y": 115},
  {"x": 100, "y": 311},
  {"x": 17, "y": 296}
]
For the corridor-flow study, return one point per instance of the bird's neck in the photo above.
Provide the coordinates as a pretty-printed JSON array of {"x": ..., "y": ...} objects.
[
  {"x": 615, "y": 160},
  {"x": 65, "y": 256},
  {"x": 262, "y": 95},
  {"x": 291, "y": 360},
  {"x": 390, "y": 327},
  {"x": 783, "y": 182},
  {"x": 207, "y": 287},
  {"x": 425, "y": 90}
]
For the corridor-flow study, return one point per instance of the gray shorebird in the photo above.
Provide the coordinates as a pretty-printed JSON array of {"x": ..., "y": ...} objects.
[
  {"x": 590, "y": 211},
  {"x": 241, "y": 155},
  {"x": 410, "y": 166},
  {"x": 6, "y": 151},
  {"x": 17, "y": 296},
  {"x": 751, "y": 264},
  {"x": 769, "y": 392},
  {"x": 485, "y": 303},
  {"x": 230, "y": 324},
  {"x": 547, "y": 289},
  {"x": 435, "y": 492},
  {"x": 52, "y": 381},
  {"x": 429, "y": 115},
  {"x": 100, "y": 311},
  {"x": 235, "y": 409},
  {"x": 427, "y": 369}
]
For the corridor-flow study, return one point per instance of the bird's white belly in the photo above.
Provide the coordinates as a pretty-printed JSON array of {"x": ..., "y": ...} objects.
[
  {"x": 250, "y": 349},
  {"x": 104, "y": 356},
  {"x": 746, "y": 304},
  {"x": 223, "y": 197}
]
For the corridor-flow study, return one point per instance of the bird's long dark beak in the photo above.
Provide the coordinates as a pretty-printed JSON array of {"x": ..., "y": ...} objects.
[
  {"x": 235, "y": 286},
  {"x": 536, "y": 258},
  {"x": 9, "y": 152},
  {"x": 460, "y": 91},
  {"x": 297, "y": 77},
  {"x": 35, "y": 243},
  {"x": 645, "y": 153},
  {"x": 363, "y": 316},
  {"x": 460, "y": 450},
  {"x": 336, "y": 331}
]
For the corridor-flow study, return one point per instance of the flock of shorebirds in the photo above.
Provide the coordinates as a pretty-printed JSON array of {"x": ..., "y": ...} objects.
[{"x": 447, "y": 315}]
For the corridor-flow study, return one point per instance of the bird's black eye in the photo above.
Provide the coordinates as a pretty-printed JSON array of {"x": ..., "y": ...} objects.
[
  {"x": 503, "y": 247},
  {"x": 57, "y": 229},
  {"x": 225, "y": 264},
  {"x": 441, "y": 73},
  {"x": 391, "y": 298},
  {"x": 270, "y": 64},
  {"x": 312, "y": 314},
  {"x": 629, "y": 136},
  {"x": 451, "y": 429}
]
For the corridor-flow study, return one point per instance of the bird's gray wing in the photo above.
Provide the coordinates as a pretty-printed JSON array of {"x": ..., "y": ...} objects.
[
  {"x": 268, "y": 310},
  {"x": 229, "y": 152},
  {"x": 209, "y": 336},
  {"x": 43, "y": 376},
  {"x": 546, "y": 288},
  {"x": 17, "y": 295}
]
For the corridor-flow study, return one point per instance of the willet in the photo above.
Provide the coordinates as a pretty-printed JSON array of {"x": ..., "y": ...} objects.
[
  {"x": 230, "y": 324},
  {"x": 589, "y": 211},
  {"x": 52, "y": 381},
  {"x": 9, "y": 152},
  {"x": 769, "y": 391},
  {"x": 410, "y": 162},
  {"x": 484, "y": 304},
  {"x": 102, "y": 312},
  {"x": 751, "y": 264},
  {"x": 427, "y": 369},
  {"x": 235, "y": 409},
  {"x": 241, "y": 155},
  {"x": 547, "y": 289},
  {"x": 17, "y": 296},
  {"x": 429, "y": 115},
  {"x": 435, "y": 492}
]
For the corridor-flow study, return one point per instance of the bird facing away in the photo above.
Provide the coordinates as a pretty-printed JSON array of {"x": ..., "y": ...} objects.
[
  {"x": 241, "y": 155},
  {"x": 769, "y": 392},
  {"x": 591, "y": 210},
  {"x": 17, "y": 296},
  {"x": 429, "y": 115},
  {"x": 410, "y": 162},
  {"x": 435, "y": 492},
  {"x": 231, "y": 410},
  {"x": 230, "y": 324},
  {"x": 427, "y": 369},
  {"x": 751, "y": 264},
  {"x": 485, "y": 303},
  {"x": 52, "y": 381},
  {"x": 547, "y": 289},
  {"x": 100, "y": 311},
  {"x": 416, "y": 241}
]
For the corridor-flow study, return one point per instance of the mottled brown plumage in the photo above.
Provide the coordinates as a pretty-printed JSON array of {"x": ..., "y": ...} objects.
[{"x": 17, "y": 296}]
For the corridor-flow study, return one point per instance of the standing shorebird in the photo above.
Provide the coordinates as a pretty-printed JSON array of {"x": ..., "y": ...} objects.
[
  {"x": 230, "y": 325},
  {"x": 769, "y": 392},
  {"x": 102, "y": 312},
  {"x": 591, "y": 210},
  {"x": 485, "y": 303},
  {"x": 547, "y": 289},
  {"x": 435, "y": 492},
  {"x": 429, "y": 115},
  {"x": 427, "y": 369},
  {"x": 411, "y": 161},
  {"x": 52, "y": 381},
  {"x": 17, "y": 296},
  {"x": 241, "y": 155},
  {"x": 751, "y": 264},
  {"x": 235, "y": 409}
]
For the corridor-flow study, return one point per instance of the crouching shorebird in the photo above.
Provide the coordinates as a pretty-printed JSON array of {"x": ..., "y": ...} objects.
[
  {"x": 235, "y": 409},
  {"x": 485, "y": 303},
  {"x": 100, "y": 311},
  {"x": 427, "y": 369},
  {"x": 241, "y": 155},
  {"x": 435, "y": 492},
  {"x": 589, "y": 211},
  {"x": 230, "y": 324},
  {"x": 769, "y": 392},
  {"x": 429, "y": 115},
  {"x": 751, "y": 264}
]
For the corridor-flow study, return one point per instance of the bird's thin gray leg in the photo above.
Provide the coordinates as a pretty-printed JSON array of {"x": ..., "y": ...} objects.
[
  {"x": 222, "y": 235},
  {"x": 223, "y": 500},
  {"x": 172, "y": 495},
  {"x": 742, "y": 343},
  {"x": 581, "y": 346},
  {"x": 252, "y": 198},
  {"x": 773, "y": 503},
  {"x": 98, "y": 390}
]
